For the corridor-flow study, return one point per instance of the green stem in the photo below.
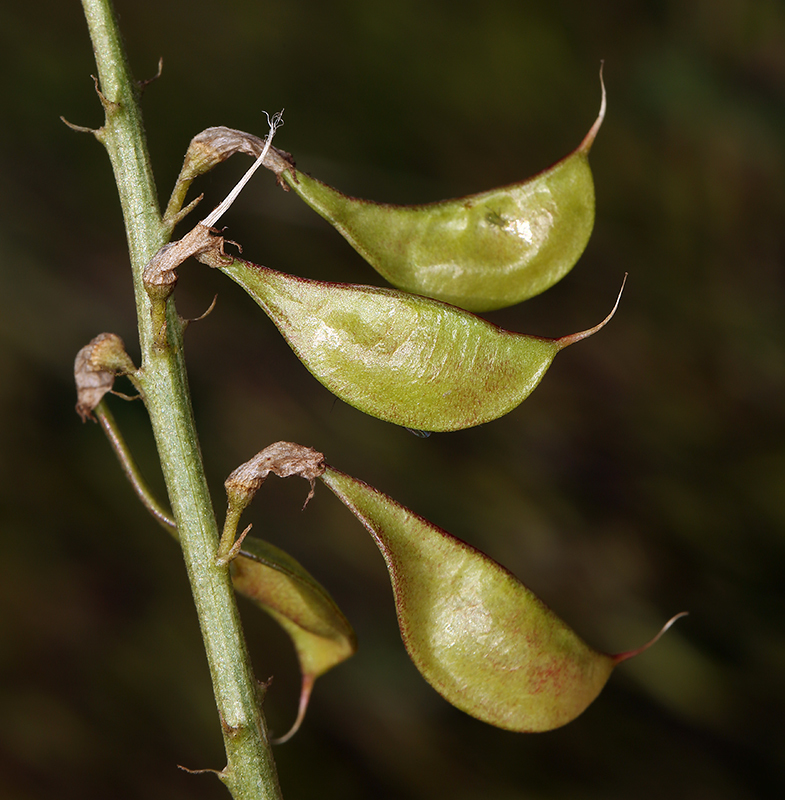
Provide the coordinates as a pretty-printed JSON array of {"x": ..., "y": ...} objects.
[
  {"x": 226, "y": 547},
  {"x": 250, "y": 772}
]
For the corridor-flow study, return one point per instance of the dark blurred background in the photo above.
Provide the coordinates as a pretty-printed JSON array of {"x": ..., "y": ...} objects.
[{"x": 645, "y": 476}]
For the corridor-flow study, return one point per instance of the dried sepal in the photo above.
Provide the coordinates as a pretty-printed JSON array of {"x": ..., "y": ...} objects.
[
  {"x": 160, "y": 274},
  {"x": 214, "y": 145},
  {"x": 283, "y": 459},
  {"x": 210, "y": 148},
  {"x": 95, "y": 368},
  {"x": 161, "y": 269}
]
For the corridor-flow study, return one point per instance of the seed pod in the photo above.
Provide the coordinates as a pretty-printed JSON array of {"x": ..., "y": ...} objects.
[
  {"x": 279, "y": 585},
  {"x": 480, "y": 252},
  {"x": 480, "y": 637},
  {"x": 406, "y": 359}
]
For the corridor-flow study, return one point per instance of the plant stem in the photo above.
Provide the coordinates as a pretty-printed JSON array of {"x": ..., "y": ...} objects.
[{"x": 250, "y": 772}]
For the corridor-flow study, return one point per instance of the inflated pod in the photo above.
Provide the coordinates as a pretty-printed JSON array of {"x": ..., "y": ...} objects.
[
  {"x": 480, "y": 637},
  {"x": 480, "y": 252},
  {"x": 406, "y": 359}
]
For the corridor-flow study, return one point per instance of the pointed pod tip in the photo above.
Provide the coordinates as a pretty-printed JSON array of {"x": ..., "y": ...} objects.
[
  {"x": 566, "y": 341},
  {"x": 619, "y": 657},
  {"x": 305, "y": 697},
  {"x": 588, "y": 140}
]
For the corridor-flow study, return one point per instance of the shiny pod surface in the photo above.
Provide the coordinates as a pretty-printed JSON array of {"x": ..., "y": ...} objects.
[
  {"x": 406, "y": 359},
  {"x": 480, "y": 252},
  {"x": 480, "y": 637}
]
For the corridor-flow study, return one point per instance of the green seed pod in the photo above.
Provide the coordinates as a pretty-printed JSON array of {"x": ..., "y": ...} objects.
[
  {"x": 282, "y": 587},
  {"x": 480, "y": 637},
  {"x": 406, "y": 359},
  {"x": 480, "y": 252}
]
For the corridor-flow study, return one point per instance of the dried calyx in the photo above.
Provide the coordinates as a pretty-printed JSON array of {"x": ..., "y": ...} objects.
[
  {"x": 208, "y": 149},
  {"x": 283, "y": 459},
  {"x": 214, "y": 145},
  {"x": 95, "y": 368}
]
